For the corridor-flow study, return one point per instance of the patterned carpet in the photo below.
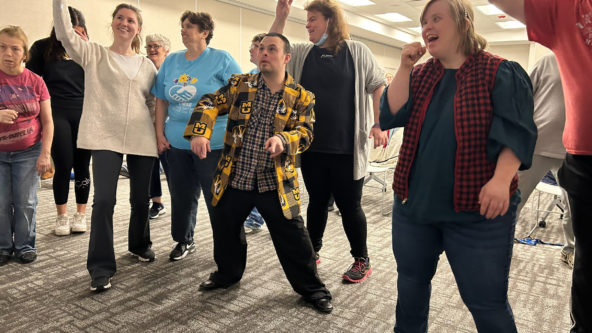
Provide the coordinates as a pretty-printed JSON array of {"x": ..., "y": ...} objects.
[{"x": 52, "y": 294}]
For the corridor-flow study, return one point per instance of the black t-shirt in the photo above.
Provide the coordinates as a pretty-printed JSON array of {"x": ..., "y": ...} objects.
[
  {"x": 64, "y": 78},
  {"x": 331, "y": 77}
]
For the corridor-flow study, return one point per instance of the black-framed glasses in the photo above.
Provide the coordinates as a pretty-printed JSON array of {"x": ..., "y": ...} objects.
[{"x": 154, "y": 46}]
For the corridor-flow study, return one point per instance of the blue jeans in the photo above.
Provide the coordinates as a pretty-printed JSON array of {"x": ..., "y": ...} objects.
[
  {"x": 18, "y": 203},
  {"x": 479, "y": 254},
  {"x": 254, "y": 220},
  {"x": 188, "y": 175}
]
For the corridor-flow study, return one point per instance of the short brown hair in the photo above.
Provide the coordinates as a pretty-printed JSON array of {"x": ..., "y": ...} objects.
[
  {"x": 203, "y": 20},
  {"x": 464, "y": 17},
  {"x": 258, "y": 38},
  {"x": 337, "y": 30},
  {"x": 15, "y": 31},
  {"x": 137, "y": 42}
]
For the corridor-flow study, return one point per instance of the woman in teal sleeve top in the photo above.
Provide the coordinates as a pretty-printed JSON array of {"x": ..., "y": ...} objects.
[
  {"x": 183, "y": 78},
  {"x": 468, "y": 125}
]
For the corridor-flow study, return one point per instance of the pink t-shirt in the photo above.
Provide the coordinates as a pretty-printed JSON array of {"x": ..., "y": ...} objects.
[
  {"x": 21, "y": 93},
  {"x": 565, "y": 26}
]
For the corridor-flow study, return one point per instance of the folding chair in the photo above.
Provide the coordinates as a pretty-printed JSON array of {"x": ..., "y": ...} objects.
[
  {"x": 380, "y": 161},
  {"x": 550, "y": 186}
]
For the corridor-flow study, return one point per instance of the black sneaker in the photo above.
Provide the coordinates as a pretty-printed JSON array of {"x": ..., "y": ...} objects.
[
  {"x": 181, "y": 250},
  {"x": 27, "y": 257},
  {"x": 100, "y": 283},
  {"x": 156, "y": 210},
  {"x": 358, "y": 271},
  {"x": 145, "y": 255}
]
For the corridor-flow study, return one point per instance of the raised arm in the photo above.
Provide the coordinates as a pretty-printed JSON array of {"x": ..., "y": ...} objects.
[
  {"x": 398, "y": 91},
  {"x": 514, "y": 8},
  {"x": 76, "y": 48},
  {"x": 282, "y": 10}
]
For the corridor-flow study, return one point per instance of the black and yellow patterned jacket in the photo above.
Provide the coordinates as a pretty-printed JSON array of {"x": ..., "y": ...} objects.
[{"x": 292, "y": 122}]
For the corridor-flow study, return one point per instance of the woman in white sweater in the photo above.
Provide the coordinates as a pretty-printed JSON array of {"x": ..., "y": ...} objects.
[{"x": 116, "y": 120}]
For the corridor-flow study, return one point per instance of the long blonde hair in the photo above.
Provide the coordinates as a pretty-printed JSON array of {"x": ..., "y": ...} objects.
[
  {"x": 137, "y": 41},
  {"x": 462, "y": 13},
  {"x": 337, "y": 30}
]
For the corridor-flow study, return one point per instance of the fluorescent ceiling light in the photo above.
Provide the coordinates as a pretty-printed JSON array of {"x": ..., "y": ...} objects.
[
  {"x": 511, "y": 25},
  {"x": 490, "y": 10},
  {"x": 394, "y": 17},
  {"x": 416, "y": 29},
  {"x": 356, "y": 3}
]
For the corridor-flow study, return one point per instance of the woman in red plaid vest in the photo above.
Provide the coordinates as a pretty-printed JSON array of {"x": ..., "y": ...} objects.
[{"x": 469, "y": 127}]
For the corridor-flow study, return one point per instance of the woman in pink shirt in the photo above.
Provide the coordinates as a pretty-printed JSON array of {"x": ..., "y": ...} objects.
[{"x": 26, "y": 132}]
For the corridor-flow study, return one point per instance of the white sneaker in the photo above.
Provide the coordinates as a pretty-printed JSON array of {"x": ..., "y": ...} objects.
[
  {"x": 79, "y": 222},
  {"x": 62, "y": 227}
]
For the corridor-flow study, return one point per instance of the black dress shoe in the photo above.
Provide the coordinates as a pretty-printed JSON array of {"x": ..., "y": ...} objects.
[
  {"x": 210, "y": 284},
  {"x": 323, "y": 305}
]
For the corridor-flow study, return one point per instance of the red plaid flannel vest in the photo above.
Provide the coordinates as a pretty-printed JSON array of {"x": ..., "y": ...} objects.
[{"x": 473, "y": 112}]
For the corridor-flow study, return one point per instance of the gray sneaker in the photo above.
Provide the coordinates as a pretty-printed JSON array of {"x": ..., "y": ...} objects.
[
  {"x": 62, "y": 227},
  {"x": 79, "y": 222},
  {"x": 567, "y": 257}
]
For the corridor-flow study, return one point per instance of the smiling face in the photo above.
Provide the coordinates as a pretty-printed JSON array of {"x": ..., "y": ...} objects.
[
  {"x": 125, "y": 24},
  {"x": 156, "y": 52},
  {"x": 272, "y": 59},
  {"x": 316, "y": 25},
  {"x": 439, "y": 31},
  {"x": 12, "y": 54}
]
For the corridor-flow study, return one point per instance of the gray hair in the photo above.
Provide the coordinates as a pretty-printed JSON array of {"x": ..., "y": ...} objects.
[{"x": 162, "y": 40}]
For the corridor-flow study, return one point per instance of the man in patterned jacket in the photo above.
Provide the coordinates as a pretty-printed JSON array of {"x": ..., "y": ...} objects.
[{"x": 269, "y": 121}]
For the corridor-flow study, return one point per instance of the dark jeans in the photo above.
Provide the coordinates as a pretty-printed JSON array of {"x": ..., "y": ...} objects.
[
  {"x": 289, "y": 237},
  {"x": 106, "y": 167},
  {"x": 188, "y": 175},
  {"x": 332, "y": 174},
  {"x": 479, "y": 254},
  {"x": 576, "y": 178},
  {"x": 155, "y": 188}
]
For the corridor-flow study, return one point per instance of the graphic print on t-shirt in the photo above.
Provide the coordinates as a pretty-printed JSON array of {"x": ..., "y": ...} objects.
[
  {"x": 584, "y": 22},
  {"x": 184, "y": 89}
]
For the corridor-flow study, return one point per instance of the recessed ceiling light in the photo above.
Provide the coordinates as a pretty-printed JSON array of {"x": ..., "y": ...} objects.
[
  {"x": 356, "y": 3},
  {"x": 490, "y": 10},
  {"x": 394, "y": 17},
  {"x": 511, "y": 25}
]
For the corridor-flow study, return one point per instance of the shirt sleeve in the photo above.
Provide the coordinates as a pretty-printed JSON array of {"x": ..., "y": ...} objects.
[
  {"x": 512, "y": 125},
  {"x": 540, "y": 20},
  {"x": 158, "y": 87},
  {"x": 79, "y": 50},
  {"x": 41, "y": 89},
  {"x": 387, "y": 119},
  {"x": 232, "y": 67}
]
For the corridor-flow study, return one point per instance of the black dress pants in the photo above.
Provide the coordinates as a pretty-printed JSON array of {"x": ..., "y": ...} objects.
[{"x": 290, "y": 239}]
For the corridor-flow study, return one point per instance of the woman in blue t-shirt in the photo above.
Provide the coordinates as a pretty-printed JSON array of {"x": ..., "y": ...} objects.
[{"x": 184, "y": 77}]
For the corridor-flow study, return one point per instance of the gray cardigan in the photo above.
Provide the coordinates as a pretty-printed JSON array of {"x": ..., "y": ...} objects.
[
  {"x": 369, "y": 76},
  {"x": 115, "y": 115}
]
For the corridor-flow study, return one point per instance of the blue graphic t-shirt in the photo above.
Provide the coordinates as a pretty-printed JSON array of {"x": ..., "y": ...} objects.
[{"x": 183, "y": 82}]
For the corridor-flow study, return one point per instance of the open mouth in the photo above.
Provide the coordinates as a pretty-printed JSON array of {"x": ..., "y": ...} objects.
[{"x": 431, "y": 38}]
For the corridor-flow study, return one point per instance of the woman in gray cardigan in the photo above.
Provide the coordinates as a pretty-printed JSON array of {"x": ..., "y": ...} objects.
[
  {"x": 342, "y": 74},
  {"x": 116, "y": 120}
]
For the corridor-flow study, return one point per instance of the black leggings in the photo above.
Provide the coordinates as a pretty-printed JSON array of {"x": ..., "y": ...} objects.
[
  {"x": 326, "y": 174},
  {"x": 66, "y": 156}
]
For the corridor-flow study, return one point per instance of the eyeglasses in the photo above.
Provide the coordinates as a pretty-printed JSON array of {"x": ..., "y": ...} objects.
[{"x": 154, "y": 46}]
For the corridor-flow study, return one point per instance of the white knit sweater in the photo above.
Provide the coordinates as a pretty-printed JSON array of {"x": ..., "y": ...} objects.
[{"x": 115, "y": 115}]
